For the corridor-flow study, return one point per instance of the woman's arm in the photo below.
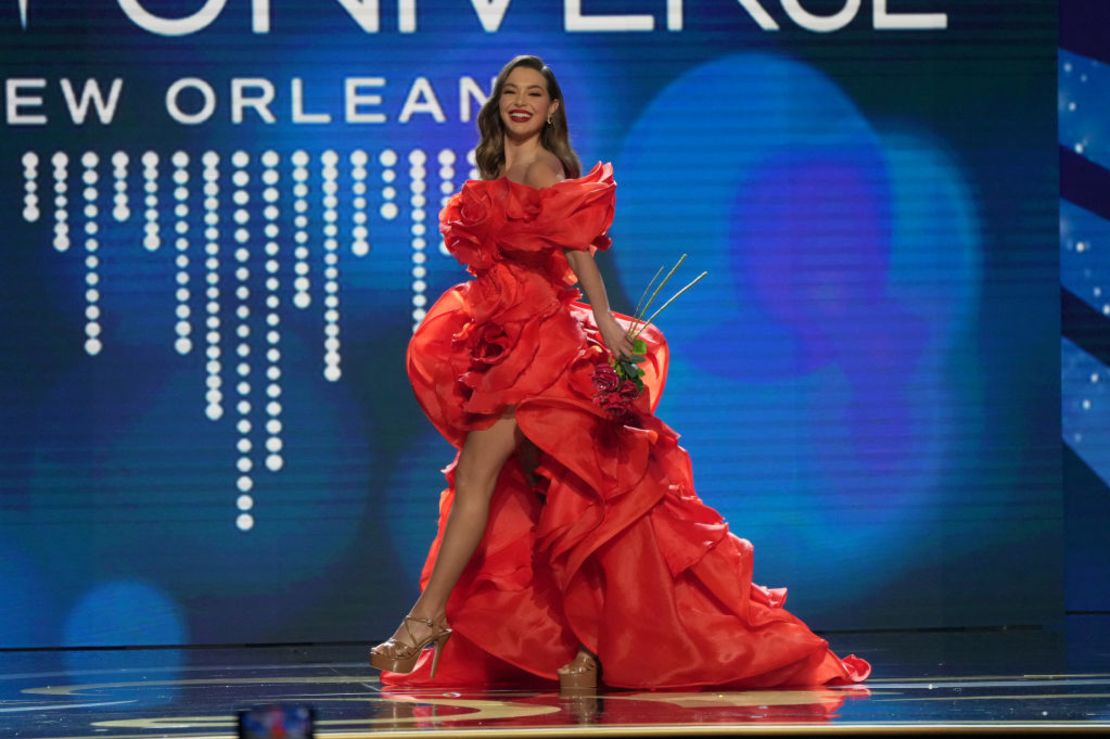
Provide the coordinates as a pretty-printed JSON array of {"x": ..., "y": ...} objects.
[
  {"x": 589, "y": 277},
  {"x": 541, "y": 174}
]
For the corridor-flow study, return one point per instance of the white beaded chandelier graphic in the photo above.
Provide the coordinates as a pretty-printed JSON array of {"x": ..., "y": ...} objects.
[{"x": 239, "y": 345}]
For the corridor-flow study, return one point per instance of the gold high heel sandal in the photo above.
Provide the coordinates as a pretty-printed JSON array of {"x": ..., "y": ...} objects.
[
  {"x": 579, "y": 675},
  {"x": 396, "y": 656}
]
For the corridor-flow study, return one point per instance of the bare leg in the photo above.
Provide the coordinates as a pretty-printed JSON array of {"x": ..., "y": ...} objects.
[{"x": 480, "y": 461}]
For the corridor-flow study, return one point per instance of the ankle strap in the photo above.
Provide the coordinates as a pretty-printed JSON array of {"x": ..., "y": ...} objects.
[{"x": 426, "y": 621}]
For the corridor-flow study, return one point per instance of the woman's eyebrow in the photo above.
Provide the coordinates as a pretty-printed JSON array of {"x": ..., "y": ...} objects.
[{"x": 538, "y": 87}]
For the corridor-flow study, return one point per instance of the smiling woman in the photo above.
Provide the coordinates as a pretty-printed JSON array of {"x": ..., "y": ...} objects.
[{"x": 571, "y": 540}]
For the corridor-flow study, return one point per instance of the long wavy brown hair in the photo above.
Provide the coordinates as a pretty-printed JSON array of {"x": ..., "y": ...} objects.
[{"x": 490, "y": 152}]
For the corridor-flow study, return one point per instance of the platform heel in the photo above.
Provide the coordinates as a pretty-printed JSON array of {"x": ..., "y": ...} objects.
[
  {"x": 394, "y": 655},
  {"x": 580, "y": 675}
]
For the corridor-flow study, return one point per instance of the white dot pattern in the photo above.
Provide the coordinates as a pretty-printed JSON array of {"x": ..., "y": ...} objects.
[
  {"x": 61, "y": 215},
  {"x": 240, "y": 179},
  {"x": 183, "y": 327},
  {"x": 121, "y": 210},
  {"x": 152, "y": 238},
  {"x": 232, "y": 374},
  {"x": 213, "y": 367},
  {"x": 332, "y": 371},
  {"x": 302, "y": 296},
  {"x": 271, "y": 195},
  {"x": 360, "y": 232},
  {"x": 388, "y": 160},
  {"x": 417, "y": 214},
  {"x": 446, "y": 187},
  {"x": 93, "y": 341},
  {"x": 472, "y": 160},
  {"x": 30, "y": 187}
]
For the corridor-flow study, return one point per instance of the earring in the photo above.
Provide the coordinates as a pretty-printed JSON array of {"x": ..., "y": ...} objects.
[{"x": 549, "y": 121}]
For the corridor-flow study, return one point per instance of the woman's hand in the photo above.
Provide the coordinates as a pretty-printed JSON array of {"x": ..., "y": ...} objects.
[{"x": 614, "y": 335}]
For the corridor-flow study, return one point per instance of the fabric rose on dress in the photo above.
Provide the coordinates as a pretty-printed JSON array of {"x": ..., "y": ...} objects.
[
  {"x": 495, "y": 294},
  {"x": 466, "y": 223},
  {"x": 486, "y": 343},
  {"x": 490, "y": 344},
  {"x": 475, "y": 207}
]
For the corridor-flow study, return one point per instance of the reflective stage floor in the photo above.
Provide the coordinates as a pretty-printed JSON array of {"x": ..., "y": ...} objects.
[{"x": 988, "y": 681}]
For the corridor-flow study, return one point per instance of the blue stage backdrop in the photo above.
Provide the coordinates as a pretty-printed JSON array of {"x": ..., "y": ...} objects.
[
  {"x": 1083, "y": 107},
  {"x": 220, "y": 227}
]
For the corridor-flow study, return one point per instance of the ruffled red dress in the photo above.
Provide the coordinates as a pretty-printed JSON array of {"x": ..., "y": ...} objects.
[{"x": 609, "y": 545}]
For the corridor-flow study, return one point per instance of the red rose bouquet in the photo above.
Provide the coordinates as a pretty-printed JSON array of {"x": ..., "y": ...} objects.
[{"x": 619, "y": 382}]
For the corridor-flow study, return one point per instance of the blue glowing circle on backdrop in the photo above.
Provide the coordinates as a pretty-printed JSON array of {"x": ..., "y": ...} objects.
[
  {"x": 936, "y": 257},
  {"x": 124, "y": 612},
  {"x": 823, "y": 370},
  {"x": 128, "y": 612}
]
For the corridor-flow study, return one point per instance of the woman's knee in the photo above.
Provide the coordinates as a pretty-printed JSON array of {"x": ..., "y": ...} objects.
[{"x": 484, "y": 453}]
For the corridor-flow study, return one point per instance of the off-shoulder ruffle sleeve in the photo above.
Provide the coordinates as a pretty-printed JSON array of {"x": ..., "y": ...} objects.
[
  {"x": 487, "y": 218},
  {"x": 571, "y": 214}
]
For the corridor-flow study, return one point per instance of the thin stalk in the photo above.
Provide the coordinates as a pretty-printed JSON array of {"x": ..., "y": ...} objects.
[
  {"x": 673, "y": 298},
  {"x": 640, "y": 302},
  {"x": 677, "y": 264}
]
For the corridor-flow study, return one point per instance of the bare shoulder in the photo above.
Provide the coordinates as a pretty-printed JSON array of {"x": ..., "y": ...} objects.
[{"x": 544, "y": 172}]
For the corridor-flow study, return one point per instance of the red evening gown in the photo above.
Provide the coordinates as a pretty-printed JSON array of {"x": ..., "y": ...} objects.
[{"x": 608, "y": 545}]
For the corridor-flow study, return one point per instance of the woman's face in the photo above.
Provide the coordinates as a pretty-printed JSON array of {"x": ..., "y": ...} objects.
[{"x": 525, "y": 103}]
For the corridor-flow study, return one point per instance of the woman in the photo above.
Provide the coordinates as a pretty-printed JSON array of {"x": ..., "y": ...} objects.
[{"x": 570, "y": 533}]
